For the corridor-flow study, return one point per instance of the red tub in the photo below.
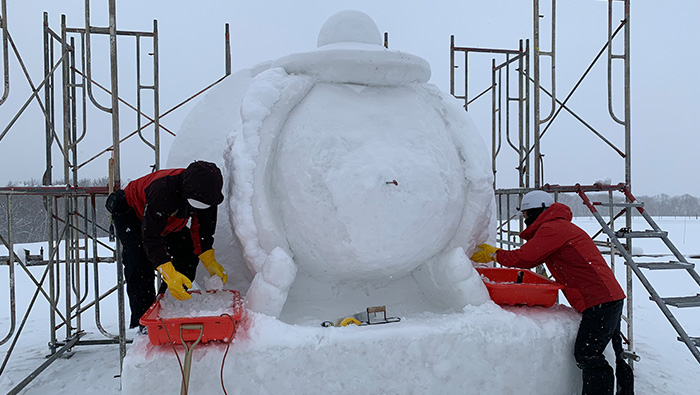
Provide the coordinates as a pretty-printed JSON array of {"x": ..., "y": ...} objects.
[
  {"x": 534, "y": 290},
  {"x": 212, "y": 328}
]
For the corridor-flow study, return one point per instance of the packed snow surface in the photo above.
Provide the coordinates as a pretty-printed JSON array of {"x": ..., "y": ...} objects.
[{"x": 484, "y": 350}]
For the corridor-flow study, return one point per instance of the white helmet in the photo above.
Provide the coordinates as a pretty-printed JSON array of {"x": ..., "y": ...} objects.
[{"x": 536, "y": 199}]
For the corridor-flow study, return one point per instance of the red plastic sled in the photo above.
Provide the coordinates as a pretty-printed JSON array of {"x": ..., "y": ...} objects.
[
  {"x": 175, "y": 330},
  {"x": 533, "y": 290}
]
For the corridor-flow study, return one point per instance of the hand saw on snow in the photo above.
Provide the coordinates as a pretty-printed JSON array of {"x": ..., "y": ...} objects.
[{"x": 371, "y": 316}]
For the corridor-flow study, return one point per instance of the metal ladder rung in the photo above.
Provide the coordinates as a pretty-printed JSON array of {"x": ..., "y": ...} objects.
[
  {"x": 630, "y": 355},
  {"x": 695, "y": 340},
  {"x": 604, "y": 204},
  {"x": 620, "y": 236},
  {"x": 683, "y": 301},
  {"x": 665, "y": 265},
  {"x": 639, "y": 235}
]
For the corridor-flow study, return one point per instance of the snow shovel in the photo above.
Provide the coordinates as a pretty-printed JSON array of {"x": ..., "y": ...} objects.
[{"x": 188, "y": 354}]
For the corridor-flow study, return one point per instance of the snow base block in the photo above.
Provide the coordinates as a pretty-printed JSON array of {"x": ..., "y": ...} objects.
[{"x": 485, "y": 350}]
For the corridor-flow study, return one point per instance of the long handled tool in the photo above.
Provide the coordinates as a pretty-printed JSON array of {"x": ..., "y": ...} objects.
[{"x": 188, "y": 354}]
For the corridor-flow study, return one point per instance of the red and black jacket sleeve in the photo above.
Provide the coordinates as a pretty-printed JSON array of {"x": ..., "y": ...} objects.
[
  {"x": 161, "y": 203},
  {"x": 203, "y": 228}
]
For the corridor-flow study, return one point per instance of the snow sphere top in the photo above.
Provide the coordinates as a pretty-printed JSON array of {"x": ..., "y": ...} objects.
[{"x": 349, "y": 26}]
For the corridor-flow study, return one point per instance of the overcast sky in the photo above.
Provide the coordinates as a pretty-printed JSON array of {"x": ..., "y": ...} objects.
[{"x": 665, "y": 102}]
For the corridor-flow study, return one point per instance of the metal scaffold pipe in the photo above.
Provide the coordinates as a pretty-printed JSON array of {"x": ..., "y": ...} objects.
[
  {"x": 5, "y": 52},
  {"x": 71, "y": 212}
]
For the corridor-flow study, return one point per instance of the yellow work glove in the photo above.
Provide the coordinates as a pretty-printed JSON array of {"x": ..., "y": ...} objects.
[
  {"x": 485, "y": 254},
  {"x": 213, "y": 267},
  {"x": 176, "y": 281}
]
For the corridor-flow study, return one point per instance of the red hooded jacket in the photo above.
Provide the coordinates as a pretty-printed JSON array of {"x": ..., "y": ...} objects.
[
  {"x": 160, "y": 201},
  {"x": 570, "y": 255}
]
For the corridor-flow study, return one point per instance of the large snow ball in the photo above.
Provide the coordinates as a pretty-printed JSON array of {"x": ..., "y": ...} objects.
[
  {"x": 349, "y": 26},
  {"x": 371, "y": 191}
]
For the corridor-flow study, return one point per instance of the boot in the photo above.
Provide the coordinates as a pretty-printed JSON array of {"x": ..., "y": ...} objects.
[
  {"x": 625, "y": 378},
  {"x": 598, "y": 381}
]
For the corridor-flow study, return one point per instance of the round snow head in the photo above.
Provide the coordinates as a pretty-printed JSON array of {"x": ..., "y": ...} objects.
[
  {"x": 349, "y": 26},
  {"x": 536, "y": 199}
]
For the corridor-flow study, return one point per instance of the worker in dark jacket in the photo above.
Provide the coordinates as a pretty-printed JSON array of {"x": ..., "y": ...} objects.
[
  {"x": 151, "y": 216},
  {"x": 590, "y": 286}
]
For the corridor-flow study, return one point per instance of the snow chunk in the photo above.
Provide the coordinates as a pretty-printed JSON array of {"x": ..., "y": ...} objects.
[
  {"x": 200, "y": 305},
  {"x": 213, "y": 283}
]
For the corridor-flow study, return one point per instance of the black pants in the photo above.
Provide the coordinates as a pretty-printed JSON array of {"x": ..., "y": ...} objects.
[
  {"x": 139, "y": 272},
  {"x": 599, "y": 325}
]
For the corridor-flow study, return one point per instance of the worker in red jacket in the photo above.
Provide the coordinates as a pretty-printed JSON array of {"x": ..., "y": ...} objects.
[
  {"x": 151, "y": 217},
  {"x": 590, "y": 286}
]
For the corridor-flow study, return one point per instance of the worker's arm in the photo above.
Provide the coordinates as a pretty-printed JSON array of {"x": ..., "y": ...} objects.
[
  {"x": 158, "y": 208},
  {"x": 534, "y": 252},
  {"x": 202, "y": 229}
]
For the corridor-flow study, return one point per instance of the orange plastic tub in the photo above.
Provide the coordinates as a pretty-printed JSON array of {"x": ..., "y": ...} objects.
[
  {"x": 533, "y": 290},
  {"x": 211, "y": 328}
]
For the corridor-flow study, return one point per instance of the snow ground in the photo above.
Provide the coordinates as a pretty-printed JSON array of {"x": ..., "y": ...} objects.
[{"x": 666, "y": 367}]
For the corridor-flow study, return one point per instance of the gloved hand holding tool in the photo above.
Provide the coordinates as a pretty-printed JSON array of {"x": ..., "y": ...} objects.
[
  {"x": 176, "y": 281},
  {"x": 213, "y": 267},
  {"x": 485, "y": 254}
]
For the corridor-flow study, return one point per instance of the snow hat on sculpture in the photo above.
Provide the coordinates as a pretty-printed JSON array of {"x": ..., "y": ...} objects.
[
  {"x": 350, "y": 51},
  {"x": 354, "y": 180}
]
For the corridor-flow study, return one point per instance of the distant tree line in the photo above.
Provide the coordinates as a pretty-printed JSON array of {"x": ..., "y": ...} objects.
[
  {"x": 30, "y": 217},
  {"x": 657, "y": 205},
  {"x": 30, "y": 221}
]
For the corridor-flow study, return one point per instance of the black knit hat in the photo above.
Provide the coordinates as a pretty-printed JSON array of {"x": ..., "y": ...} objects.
[{"x": 202, "y": 181}]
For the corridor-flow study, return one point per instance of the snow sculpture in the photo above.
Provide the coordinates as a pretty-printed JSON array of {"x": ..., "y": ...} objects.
[{"x": 351, "y": 173}]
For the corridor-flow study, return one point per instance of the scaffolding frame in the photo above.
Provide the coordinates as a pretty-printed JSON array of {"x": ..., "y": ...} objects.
[
  {"x": 73, "y": 220},
  {"x": 528, "y": 149},
  {"x": 544, "y": 109}
]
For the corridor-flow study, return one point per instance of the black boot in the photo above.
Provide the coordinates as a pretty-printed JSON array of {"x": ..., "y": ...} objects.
[
  {"x": 598, "y": 381},
  {"x": 625, "y": 378}
]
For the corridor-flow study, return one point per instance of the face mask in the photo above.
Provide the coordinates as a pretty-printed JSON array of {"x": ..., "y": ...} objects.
[
  {"x": 532, "y": 215},
  {"x": 196, "y": 204},
  {"x": 529, "y": 220}
]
